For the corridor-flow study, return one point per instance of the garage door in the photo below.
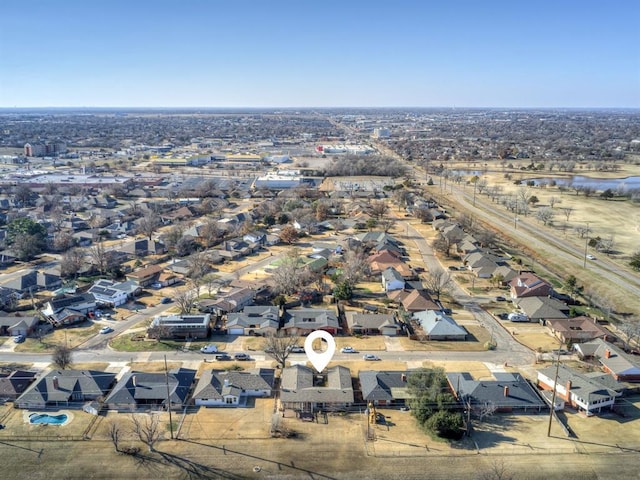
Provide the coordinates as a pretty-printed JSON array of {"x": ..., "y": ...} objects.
[{"x": 236, "y": 331}]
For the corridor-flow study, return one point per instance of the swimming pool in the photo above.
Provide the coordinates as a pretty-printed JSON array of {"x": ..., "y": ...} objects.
[{"x": 39, "y": 418}]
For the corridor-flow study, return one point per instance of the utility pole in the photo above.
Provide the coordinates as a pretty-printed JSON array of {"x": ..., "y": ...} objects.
[
  {"x": 555, "y": 389},
  {"x": 586, "y": 244},
  {"x": 166, "y": 379}
]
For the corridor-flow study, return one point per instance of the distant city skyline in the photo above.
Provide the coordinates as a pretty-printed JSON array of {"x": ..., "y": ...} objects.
[{"x": 288, "y": 54}]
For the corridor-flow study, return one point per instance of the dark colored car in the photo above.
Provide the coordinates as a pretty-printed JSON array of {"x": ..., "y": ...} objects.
[
  {"x": 242, "y": 356},
  {"x": 165, "y": 300},
  {"x": 223, "y": 358}
]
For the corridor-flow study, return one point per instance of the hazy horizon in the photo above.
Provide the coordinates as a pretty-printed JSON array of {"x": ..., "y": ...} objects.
[{"x": 288, "y": 54}]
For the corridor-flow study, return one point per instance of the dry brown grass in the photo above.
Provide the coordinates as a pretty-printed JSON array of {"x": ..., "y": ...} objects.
[{"x": 153, "y": 367}]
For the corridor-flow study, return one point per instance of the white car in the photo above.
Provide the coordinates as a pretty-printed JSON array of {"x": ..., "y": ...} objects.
[
  {"x": 591, "y": 257},
  {"x": 348, "y": 350},
  {"x": 370, "y": 357},
  {"x": 209, "y": 349},
  {"x": 105, "y": 330}
]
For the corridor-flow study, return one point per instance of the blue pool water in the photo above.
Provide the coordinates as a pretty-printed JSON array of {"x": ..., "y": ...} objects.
[{"x": 37, "y": 418}]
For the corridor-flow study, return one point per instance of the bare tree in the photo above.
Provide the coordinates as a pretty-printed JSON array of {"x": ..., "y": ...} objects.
[
  {"x": 484, "y": 410},
  {"x": 210, "y": 232},
  {"x": 115, "y": 434},
  {"x": 289, "y": 234},
  {"x": 147, "y": 428},
  {"x": 172, "y": 237},
  {"x": 99, "y": 257},
  {"x": 386, "y": 224},
  {"x": 279, "y": 347},
  {"x": 553, "y": 201},
  {"x": 354, "y": 267},
  {"x": 185, "y": 300},
  {"x": 630, "y": 330},
  {"x": 291, "y": 275},
  {"x": 545, "y": 215},
  {"x": 496, "y": 471},
  {"x": 158, "y": 332},
  {"x": 437, "y": 282},
  {"x": 62, "y": 357},
  {"x": 148, "y": 224},
  {"x": 441, "y": 244},
  {"x": 567, "y": 212},
  {"x": 72, "y": 262},
  {"x": 379, "y": 209},
  {"x": 62, "y": 241},
  {"x": 198, "y": 267}
]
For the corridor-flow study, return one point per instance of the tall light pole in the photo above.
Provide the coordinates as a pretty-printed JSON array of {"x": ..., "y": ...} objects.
[{"x": 586, "y": 244}]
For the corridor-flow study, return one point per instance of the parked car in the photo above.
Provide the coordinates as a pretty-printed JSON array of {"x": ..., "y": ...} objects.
[
  {"x": 242, "y": 356},
  {"x": 296, "y": 349},
  {"x": 348, "y": 350},
  {"x": 156, "y": 285},
  {"x": 165, "y": 300},
  {"x": 105, "y": 330},
  {"x": 209, "y": 349},
  {"x": 500, "y": 299},
  {"x": 518, "y": 317},
  {"x": 591, "y": 257},
  {"x": 446, "y": 311},
  {"x": 19, "y": 338},
  {"x": 370, "y": 357},
  {"x": 223, "y": 358}
]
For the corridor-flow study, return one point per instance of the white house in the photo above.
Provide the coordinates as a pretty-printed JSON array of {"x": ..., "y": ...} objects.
[
  {"x": 589, "y": 393},
  {"x": 108, "y": 292},
  {"x": 392, "y": 280},
  {"x": 217, "y": 388}
]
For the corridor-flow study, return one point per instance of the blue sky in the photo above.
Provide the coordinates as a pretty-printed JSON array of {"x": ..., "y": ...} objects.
[{"x": 240, "y": 53}]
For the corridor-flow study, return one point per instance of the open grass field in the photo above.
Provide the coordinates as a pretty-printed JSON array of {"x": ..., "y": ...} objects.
[
  {"x": 71, "y": 336},
  {"x": 231, "y": 443}
]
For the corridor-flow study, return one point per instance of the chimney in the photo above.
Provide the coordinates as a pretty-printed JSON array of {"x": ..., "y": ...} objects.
[
  {"x": 56, "y": 384},
  {"x": 403, "y": 377},
  {"x": 607, "y": 353},
  {"x": 134, "y": 381},
  {"x": 506, "y": 390}
]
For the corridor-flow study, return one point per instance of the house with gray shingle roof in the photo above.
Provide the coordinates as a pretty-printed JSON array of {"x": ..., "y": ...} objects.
[
  {"x": 371, "y": 323},
  {"x": 507, "y": 393},
  {"x": 303, "y": 321},
  {"x": 623, "y": 367},
  {"x": 218, "y": 388},
  {"x": 263, "y": 320},
  {"x": 438, "y": 326},
  {"x": 540, "y": 309},
  {"x": 384, "y": 388},
  {"x": 14, "y": 384},
  {"x": 141, "y": 390},
  {"x": 304, "y": 390},
  {"x": 12, "y": 325},
  {"x": 586, "y": 392},
  {"x": 66, "y": 388}
]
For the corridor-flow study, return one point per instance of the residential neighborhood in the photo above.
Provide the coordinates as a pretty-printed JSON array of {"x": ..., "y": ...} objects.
[{"x": 157, "y": 282}]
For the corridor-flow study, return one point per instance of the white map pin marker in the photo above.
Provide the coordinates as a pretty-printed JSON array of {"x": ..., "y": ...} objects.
[{"x": 320, "y": 360}]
